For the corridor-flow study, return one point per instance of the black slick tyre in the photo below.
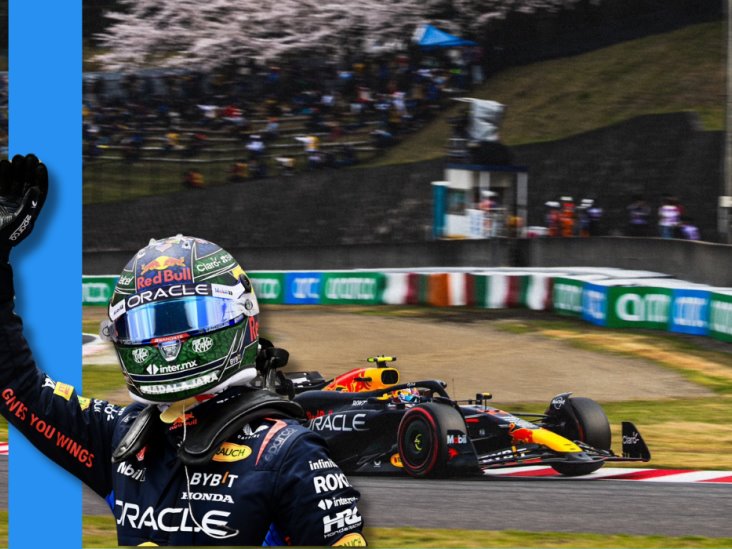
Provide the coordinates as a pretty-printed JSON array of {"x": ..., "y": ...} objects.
[
  {"x": 592, "y": 427},
  {"x": 422, "y": 438}
]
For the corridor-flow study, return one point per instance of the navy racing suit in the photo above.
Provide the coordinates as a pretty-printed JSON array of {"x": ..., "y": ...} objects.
[{"x": 274, "y": 472}]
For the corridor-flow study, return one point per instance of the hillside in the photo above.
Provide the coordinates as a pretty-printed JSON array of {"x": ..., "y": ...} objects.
[{"x": 672, "y": 72}]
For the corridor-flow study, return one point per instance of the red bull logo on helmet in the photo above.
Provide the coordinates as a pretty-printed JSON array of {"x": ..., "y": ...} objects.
[
  {"x": 163, "y": 262},
  {"x": 163, "y": 270}
]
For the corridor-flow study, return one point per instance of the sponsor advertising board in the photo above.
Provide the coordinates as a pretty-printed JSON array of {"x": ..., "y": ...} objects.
[
  {"x": 639, "y": 307},
  {"x": 302, "y": 288},
  {"x": 269, "y": 287},
  {"x": 595, "y": 304},
  {"x": 595, "y": 298},
  {"x": 567, "y": 296},
  {"x": 363, "y": 288},
  {"x": 690, "y": 312},
  {"x": 97, "y": 290},
  {"x": 720, "y": 316}
]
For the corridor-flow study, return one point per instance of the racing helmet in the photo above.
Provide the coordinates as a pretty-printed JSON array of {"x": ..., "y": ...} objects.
[{"x": 184, "y": 321}]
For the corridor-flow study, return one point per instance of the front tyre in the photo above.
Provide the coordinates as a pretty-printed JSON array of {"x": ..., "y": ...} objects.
[
  {"x": 590, "y": 426},
  {"x": 422, "y": 438}
]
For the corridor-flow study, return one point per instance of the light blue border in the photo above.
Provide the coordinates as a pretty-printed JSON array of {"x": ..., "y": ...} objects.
[{"x": 45, "y": 119}]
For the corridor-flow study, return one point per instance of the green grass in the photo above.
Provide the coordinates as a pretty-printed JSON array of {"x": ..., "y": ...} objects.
[
  {"x": 98, "y": 532},
  {"x": 680, "y": 71},
  {"x": 3, "y": 528},
  {"x": 100, "y": 381}
]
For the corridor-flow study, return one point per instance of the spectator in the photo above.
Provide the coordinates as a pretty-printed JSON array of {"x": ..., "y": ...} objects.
[
  {"x": 552, "y": 217},
  {"x": 594, "y": 217},
  {"x": 255, "y": 147},
  {"x": 286, "y": 164},
  {"x": 583, "y": 217},
  {"x": 197, "y": 143},
  {"x": 312, "y": 150},
  {"x": 272, "y": 129},
  {"x": 193, "y": 179},
  {"x": 239, "y": 172},
  {"x": 669, "y": 217},
  {"x": 639, "y": 215},
  {"x": 687, "y": 230},
  {"x": 567, "y": 217},
  {"x": 491, "y": 213},
  {"x": 172, "y": 141}
]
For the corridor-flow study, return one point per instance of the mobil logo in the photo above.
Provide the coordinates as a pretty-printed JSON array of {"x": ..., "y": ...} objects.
[{"x": 302, "y": 288}]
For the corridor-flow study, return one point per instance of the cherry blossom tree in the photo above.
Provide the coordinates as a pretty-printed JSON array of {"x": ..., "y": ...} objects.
[{"x": 212, "y": 33}]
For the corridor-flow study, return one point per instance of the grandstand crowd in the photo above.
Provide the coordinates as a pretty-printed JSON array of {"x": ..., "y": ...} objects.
[{"x": 260, "y": 118}]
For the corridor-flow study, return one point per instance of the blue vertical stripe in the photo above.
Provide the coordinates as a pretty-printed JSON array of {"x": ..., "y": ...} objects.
[{"x": 45, "y": 119}]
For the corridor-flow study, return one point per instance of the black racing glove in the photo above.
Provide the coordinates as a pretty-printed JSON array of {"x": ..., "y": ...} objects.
[{"x": 23, "y": 189}]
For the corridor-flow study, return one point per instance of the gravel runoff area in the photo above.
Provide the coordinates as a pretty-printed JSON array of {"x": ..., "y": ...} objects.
[{"x": 471, "y": 356}]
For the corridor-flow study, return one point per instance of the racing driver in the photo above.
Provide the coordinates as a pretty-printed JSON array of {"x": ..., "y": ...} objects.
[{"x": 200, "y": 457}]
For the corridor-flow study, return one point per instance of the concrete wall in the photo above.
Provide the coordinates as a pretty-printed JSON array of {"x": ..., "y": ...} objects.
[
  {"x": 651, "y": 155},
  {"x": 484, "y": 253},
  {"x": 698, "y": 262}
]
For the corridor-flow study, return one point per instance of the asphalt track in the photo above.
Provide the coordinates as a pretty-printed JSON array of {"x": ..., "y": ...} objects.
[{"x": 539, "y": 505}]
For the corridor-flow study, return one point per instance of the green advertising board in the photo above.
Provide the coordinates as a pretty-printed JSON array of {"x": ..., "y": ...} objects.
[
  {"x": 96, "y": 291},
  {"x": 480, "y": 284},
  {"x": 352, "y": 288},
  {"x": 268, "y": 287},
  {"x": 567, "y": 296},
  {"x": 638, "y": 307},
  {"x": 720, "y": 316}
]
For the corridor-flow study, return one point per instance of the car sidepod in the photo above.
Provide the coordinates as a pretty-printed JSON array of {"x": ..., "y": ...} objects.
[{"x": 360, "y": 431}]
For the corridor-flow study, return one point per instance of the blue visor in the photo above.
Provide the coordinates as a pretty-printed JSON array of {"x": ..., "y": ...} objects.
[{"x": 176, "y": 316}]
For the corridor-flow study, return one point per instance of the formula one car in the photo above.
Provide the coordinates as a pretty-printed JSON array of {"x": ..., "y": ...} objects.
[{"x": 374, "y": 424}]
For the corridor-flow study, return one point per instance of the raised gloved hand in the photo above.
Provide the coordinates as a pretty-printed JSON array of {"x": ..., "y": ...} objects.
[{"x": 23, "y": 189}]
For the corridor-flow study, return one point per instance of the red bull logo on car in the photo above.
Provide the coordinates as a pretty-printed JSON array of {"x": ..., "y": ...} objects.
[{"x": 163, "y": 271}]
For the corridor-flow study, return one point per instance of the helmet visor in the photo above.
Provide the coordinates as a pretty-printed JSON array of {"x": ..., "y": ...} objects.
[{"x": 176, "y": 316}]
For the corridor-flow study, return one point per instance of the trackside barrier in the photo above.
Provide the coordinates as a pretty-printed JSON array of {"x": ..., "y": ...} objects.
[
  {"x": 604, "y": 297},
  {"x": 720, "y": 316}
]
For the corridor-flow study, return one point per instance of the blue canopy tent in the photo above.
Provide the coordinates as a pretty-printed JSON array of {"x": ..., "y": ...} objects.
[{"x": 432, "y": 37}]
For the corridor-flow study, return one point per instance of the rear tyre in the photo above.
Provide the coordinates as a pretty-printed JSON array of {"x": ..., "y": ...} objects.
[
  {"x": 592, "y": 427},
  {"x": 422, "y": 438}
]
